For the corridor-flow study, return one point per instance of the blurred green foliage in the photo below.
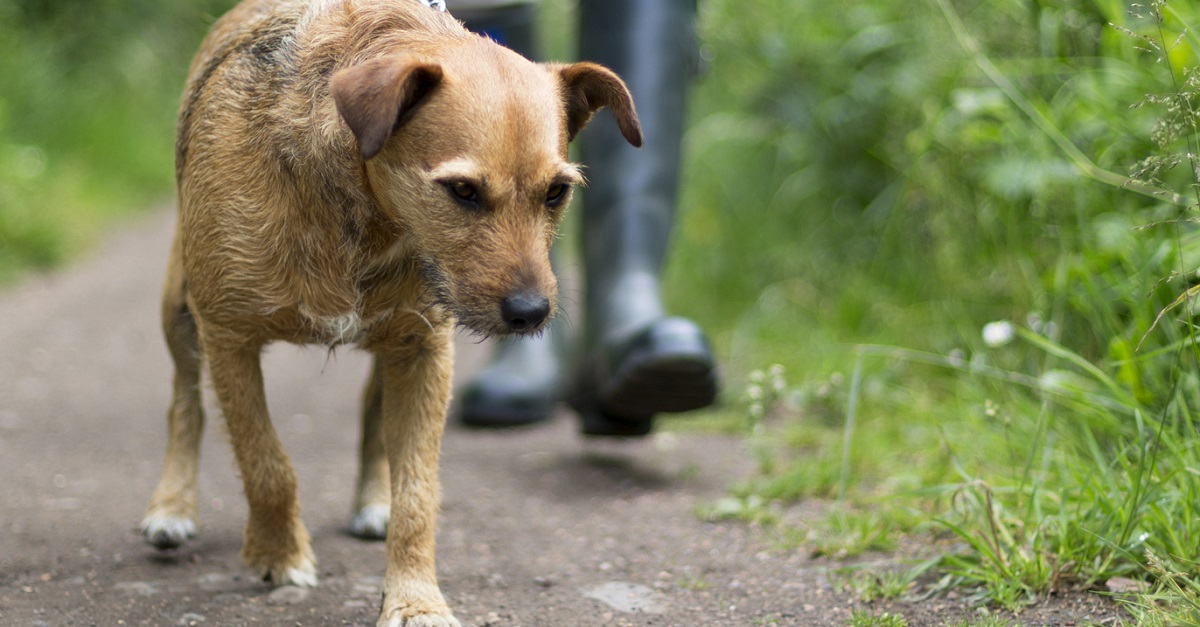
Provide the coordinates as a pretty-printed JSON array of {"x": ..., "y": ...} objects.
[
  {"x": 868, "y": 187},
  {"x": 855, "y": 169},
  {"x": 88, "y": 93}
]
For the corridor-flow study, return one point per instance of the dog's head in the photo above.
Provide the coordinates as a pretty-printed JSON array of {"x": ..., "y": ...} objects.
[{"x": 465, "y": 148}]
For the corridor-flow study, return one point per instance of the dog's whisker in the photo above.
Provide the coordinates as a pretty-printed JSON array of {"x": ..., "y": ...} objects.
[{"x": 420, "y": 315}]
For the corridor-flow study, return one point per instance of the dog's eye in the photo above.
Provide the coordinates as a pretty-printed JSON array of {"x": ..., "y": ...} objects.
[
  {"x": 556, "y": 194},
  {"x": 463, "y": 192}
]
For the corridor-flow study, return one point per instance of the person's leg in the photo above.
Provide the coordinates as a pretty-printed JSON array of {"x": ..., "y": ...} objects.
[
  {"x": 637, "y": 362},
  {"x": 523, "y": 380},
  {"x": 511, "y": 24}
]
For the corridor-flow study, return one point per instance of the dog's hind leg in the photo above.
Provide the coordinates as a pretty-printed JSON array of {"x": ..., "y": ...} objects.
[
  {"x": 276, "y": 544},
  {"x": 171, "y": 517},
  {"x": 372, "y": 498}
]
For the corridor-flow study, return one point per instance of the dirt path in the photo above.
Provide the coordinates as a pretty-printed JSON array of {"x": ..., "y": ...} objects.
[{"x": 538, "y": 527}]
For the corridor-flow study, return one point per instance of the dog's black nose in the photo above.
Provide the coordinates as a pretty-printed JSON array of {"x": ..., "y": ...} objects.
[{"x": 525, "y": 310}]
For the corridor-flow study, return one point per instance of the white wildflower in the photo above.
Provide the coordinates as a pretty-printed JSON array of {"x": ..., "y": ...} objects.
[
  {"x": 999, "y": 333},
  {"x": 754, "y": 392}
]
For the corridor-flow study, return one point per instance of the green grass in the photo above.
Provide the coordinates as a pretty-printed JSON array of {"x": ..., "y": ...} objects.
[
  {"x": 862, "y": 618},
  {"x": 88, "y": 93},
  {"x": 866, "y": 193},
  {"x": 988, "y": 620},
  {"x": 868, "y": 585}
]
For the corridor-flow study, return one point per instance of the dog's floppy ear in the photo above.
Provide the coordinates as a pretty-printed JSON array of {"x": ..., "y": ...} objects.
[
  {"x": 588, "y": 87},
  {"x": 377, "y": 96}
]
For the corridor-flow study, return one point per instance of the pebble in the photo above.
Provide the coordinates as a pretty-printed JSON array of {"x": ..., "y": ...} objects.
[
  {"x": 628, "y": 597},
  {"x": 191, "y": 619},
  {"x": 288, "y": 595},
  {"x": 1119, "y": 585},
  {"x": 141, "y": 588},
  {"x": 213, "y": 581}
]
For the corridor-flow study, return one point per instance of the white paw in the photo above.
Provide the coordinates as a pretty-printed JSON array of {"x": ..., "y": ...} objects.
[
  {"x": 370, "y": 523},
  {"x": 420, "y": 620},
  {"x": 303, "y": 575},
  {"x": 166, "y": 531}
]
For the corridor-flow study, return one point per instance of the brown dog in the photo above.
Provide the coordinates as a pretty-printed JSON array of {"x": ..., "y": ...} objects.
[{"x": 362, "y": 172}]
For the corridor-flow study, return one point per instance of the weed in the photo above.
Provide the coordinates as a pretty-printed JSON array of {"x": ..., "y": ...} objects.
[
  {"x": 869, "y": 585},
  {"x": 1174, "y": 599},
  {"x": 751, "y": 509},
  {"x": 985, "y": 619},
  {"x": 863, "y": 618},
  {"x": 847, "y": 533}
]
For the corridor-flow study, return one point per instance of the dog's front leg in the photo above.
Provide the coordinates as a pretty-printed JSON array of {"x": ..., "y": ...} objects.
[
  {"x": 416, "y": 392},
  {"x": 276, "y": 544},
  {"x": 373, "y": 501}
]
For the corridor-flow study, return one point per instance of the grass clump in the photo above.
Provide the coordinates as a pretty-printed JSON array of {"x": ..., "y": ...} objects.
[
  {"x": 985, "y": 620},
  {"x": 863, "y": 618},
  {"x": 869, "y": 585}
]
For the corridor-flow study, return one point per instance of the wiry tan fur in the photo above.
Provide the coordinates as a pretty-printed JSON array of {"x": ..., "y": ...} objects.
[{"x": 318, "y": 148}]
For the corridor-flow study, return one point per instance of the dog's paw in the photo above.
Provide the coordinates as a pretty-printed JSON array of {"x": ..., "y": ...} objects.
[
  {"x": 165, "y": 531},
  {"x": 418, "y": 620},
  {"x": 302, "y": 574},
  {"x": 415, "y": 604},
  {"x": 370, "y": 523},
  {"x": 303, "y": 577},
  {"x": 282, "y": 554}
]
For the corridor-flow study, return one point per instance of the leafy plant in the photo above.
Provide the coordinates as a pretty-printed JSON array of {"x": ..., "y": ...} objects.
[{"x": 883, "y": 192}]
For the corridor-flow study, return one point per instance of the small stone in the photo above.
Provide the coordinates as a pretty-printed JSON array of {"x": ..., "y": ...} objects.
[
  {"x": 191, "y": 618},
  {"x": 288, "y": 595},
  {"x": 1119, "y": 585},
  {"x": 628, "y": 597},
  {"x": 213, "y": 581},
  {"x": 140, "y": 588}
]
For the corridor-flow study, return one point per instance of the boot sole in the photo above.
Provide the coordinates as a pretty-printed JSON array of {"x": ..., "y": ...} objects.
[
  {"x": 654, "y": 382},
  {"x": 668, "y": 368},
  {"x": 499, "y": 416}
]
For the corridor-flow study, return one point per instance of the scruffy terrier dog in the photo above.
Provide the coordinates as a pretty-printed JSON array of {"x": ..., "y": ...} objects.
[{"x": 358, "y": 172}]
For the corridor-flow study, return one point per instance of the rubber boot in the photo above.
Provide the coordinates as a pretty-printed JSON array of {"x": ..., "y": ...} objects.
[
  {"x": 637, "y": 361},
  {"x": 512, "y": 25},
  {"x": 523, "y": 380}
]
